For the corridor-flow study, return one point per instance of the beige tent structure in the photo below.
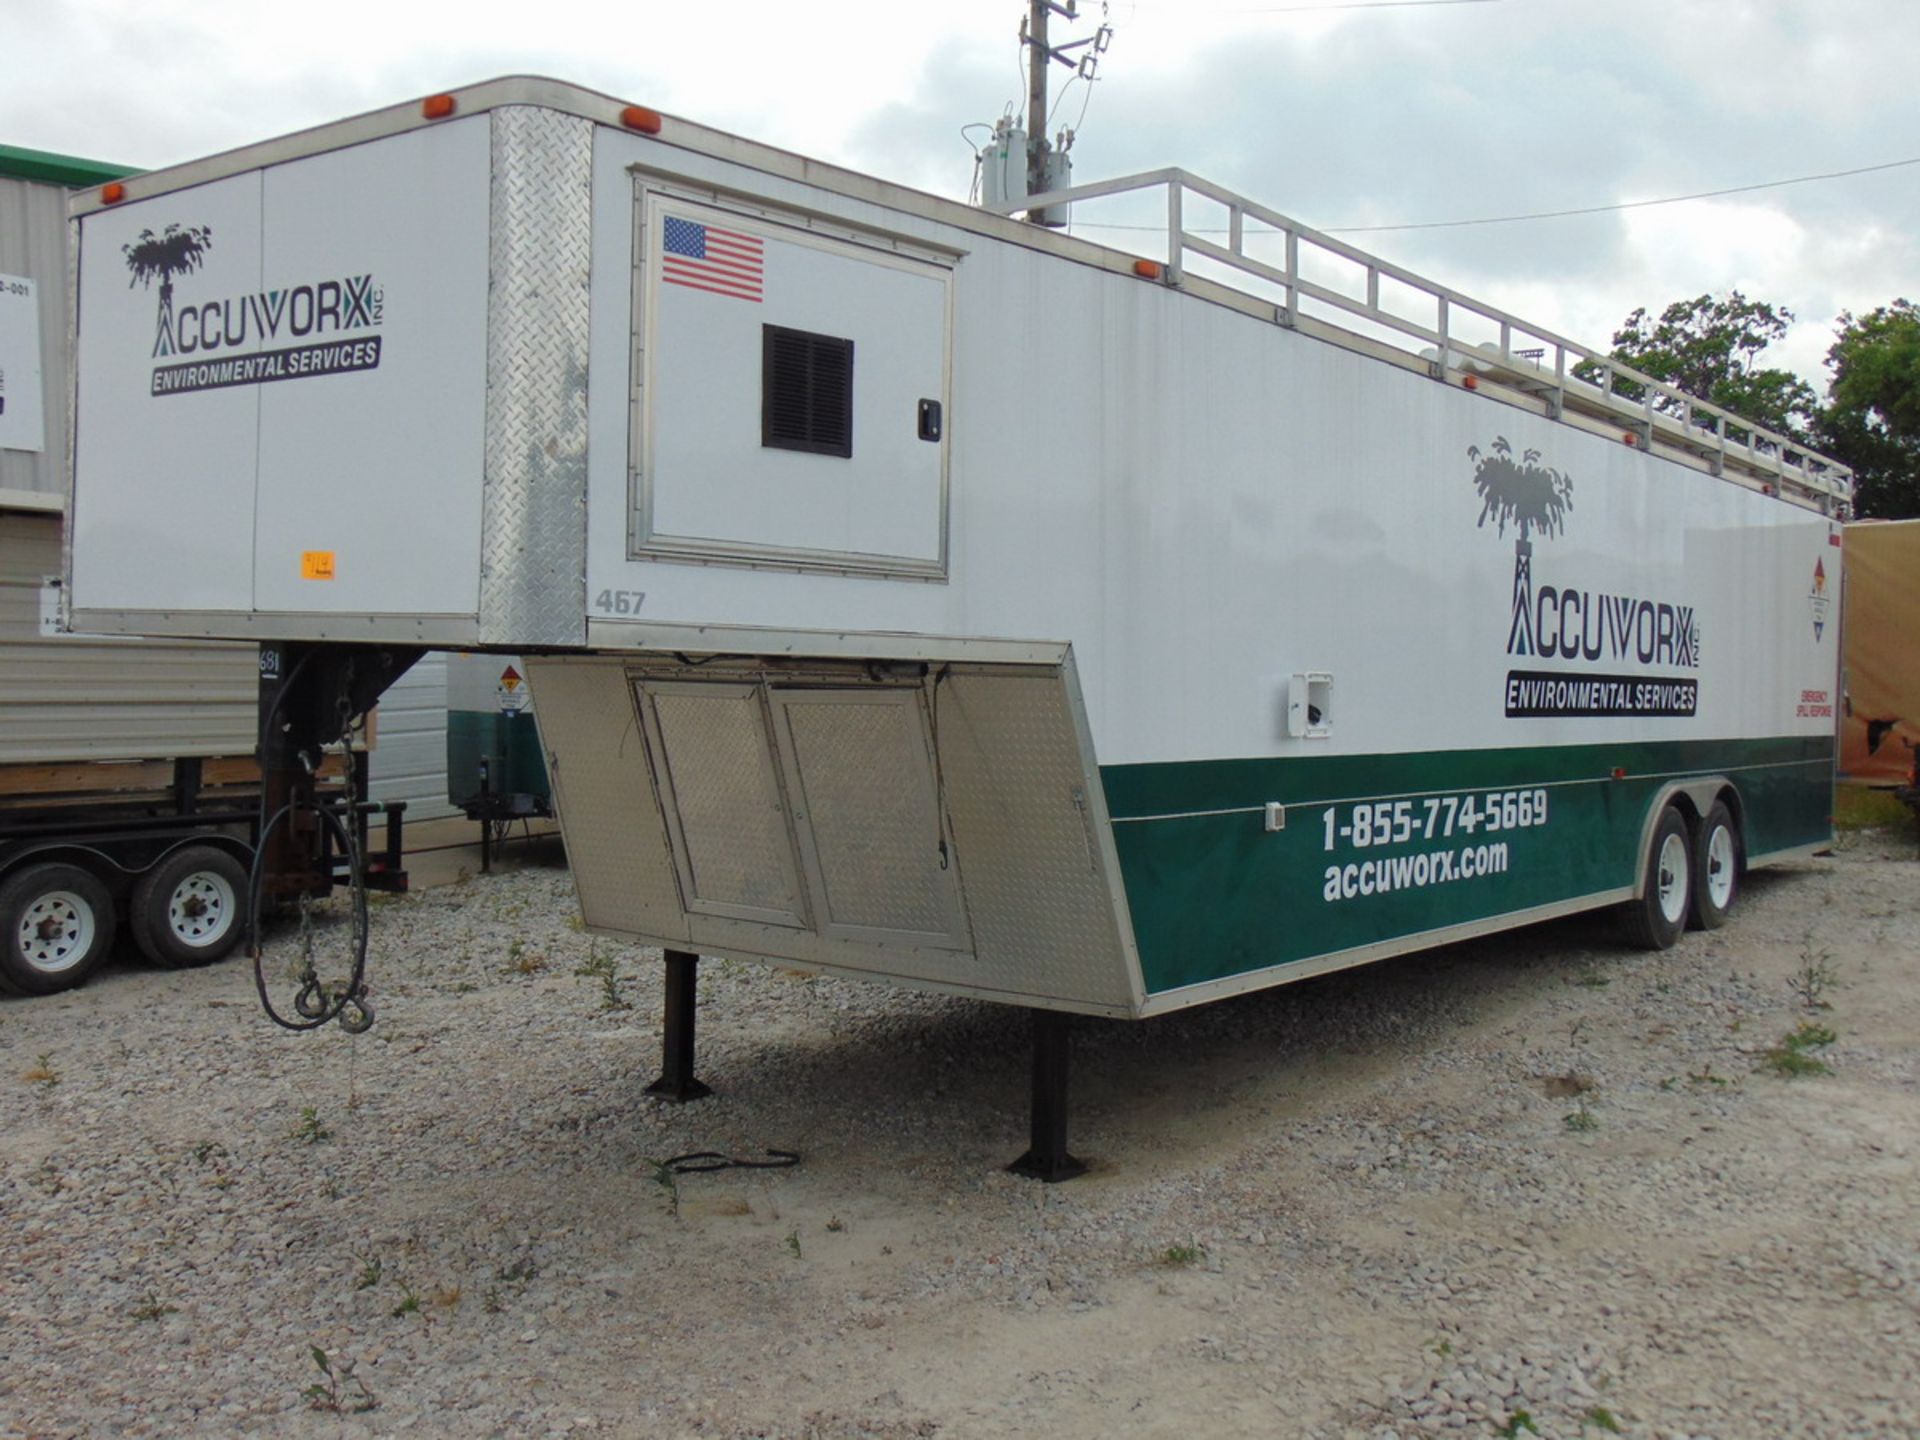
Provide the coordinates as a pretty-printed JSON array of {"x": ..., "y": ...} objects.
[{"x": 1881, "y": 723}]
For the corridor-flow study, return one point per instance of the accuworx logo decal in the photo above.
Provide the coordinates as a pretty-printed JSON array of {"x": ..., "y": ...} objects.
[
  {"x": 228, "y": 334},
  {"x": 1574, "y": 623}
]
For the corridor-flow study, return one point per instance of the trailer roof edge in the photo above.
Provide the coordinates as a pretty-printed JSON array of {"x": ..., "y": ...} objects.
[{"x": 19, "y": 163}]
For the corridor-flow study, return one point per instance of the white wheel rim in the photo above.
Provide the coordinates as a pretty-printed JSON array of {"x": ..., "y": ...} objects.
[
  {"x": 1673, "y": 878},
  {"x": 200, "y": 910},
  {"x": 1720, "y": 867},
  {"x": 56, "y": 931}
]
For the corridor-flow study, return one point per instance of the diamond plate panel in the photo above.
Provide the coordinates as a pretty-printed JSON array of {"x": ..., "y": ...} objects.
[
  {"x": 735, "y": 842},
  {"x": 616, "y": 838},
  {"x": 1036, "y": 886},
  {"x": 534, "y": 536},
  {"x": 872, "y": 827}
]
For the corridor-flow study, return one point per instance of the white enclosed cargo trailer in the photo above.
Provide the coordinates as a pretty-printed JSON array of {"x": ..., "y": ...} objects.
[{"x": 914, "y": 593}]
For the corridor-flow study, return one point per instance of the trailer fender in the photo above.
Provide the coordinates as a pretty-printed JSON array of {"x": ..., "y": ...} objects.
[
  {"x": 116, "y": 873},
  {"x": 110, "y": 872},
  {"x": 238, "y": 849},
  {"x": 1694, "y": 797}
]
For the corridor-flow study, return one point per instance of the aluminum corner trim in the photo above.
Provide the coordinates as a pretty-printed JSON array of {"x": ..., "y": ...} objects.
[{"x": 533, "y": 554}]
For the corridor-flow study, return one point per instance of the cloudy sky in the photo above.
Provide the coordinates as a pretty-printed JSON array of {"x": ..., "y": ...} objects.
[{"x": 1370, "y": 115}]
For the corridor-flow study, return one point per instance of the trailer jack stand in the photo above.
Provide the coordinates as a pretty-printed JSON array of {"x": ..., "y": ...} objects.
[
  {"x": 1047, "y": 1158},
  {"x": 676, "y": 1082}
]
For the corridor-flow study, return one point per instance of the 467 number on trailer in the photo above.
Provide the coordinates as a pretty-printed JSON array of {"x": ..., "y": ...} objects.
[
  {"x": 619, "y": 602},
  {"x": 1394, "y": 822}
]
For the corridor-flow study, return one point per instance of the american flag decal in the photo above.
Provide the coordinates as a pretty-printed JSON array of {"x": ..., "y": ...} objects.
[{"x": 705, "y": 257}]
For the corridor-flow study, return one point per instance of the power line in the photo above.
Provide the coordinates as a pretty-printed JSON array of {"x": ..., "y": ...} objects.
[
  {"x": 1625, "y": 204},
  {"x": 1551, "y": 214}
]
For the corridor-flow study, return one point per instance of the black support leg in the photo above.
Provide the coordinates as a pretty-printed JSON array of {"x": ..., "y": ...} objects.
[
  {"x": 1047, "y": 1158},
  {"x": 676, "y": 1082}
]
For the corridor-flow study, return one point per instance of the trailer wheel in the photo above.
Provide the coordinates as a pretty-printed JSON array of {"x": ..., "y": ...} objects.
[
  {"x": 190, "y": 908},
  {"x": 1655, "y": 920},
  {"x": 56, "y": 922},
  {"x": 1716, "y": 867}
]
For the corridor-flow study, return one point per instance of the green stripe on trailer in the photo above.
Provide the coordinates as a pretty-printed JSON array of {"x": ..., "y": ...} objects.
[{"x": 1375, "y": 848}]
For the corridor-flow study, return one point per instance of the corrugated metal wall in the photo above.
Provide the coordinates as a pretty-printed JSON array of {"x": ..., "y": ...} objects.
[
  {"x": 410, "y": 752},
  {"x": 33, "y": 243},
  {"x": 67, "y": 697}
]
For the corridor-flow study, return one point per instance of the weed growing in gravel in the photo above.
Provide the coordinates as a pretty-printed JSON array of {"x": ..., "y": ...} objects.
[
  {"x": 1813, "y": 979},
  {"x": 1705, "y": 1076},
  {"x": 369, "y": 1272},
  {"x": 1600, "y": 1418},
  {"x": 1789, "y": 1059},
  {"x": 1187, "y": 1254},
  {"x": 409, "y": 1302},
  {"x": 669, "y": 1182},
  {"x": 520, "y": 962},
  {"x": 490, "y": 1302},
  {"x": 151, "y": 1309},
  {"x": 42, "y": 1072},
  {"x": 606, "y": 970},
  {"x": 324, "y": 1394},
  {"x": 793, "y": 1242},
  {"x": 1592, "y": 979},
  {"x": 310, "y": 1129},
  {"x": 1516, "y": 1422},
  {"x": 207, "y": 1150},
  {"x": 835, "y": 1224},
  {"x": 1582, "y": 1119},
  {"x": 447, "y": 1297}
]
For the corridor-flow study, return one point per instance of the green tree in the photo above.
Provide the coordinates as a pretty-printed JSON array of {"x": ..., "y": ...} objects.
[
  {"x": 1872, "y": 420},
  {"x": 1711, "y": 349}
]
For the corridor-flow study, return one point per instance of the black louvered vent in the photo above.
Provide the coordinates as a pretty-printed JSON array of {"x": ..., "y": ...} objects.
[{"x": 806, "y": 392}]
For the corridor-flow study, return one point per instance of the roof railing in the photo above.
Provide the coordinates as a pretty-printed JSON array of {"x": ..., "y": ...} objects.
[{"x": 1561, "y": 372}]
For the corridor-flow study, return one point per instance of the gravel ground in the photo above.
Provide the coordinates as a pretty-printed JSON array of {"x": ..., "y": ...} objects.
[{"x": 1536, "y": 1184}]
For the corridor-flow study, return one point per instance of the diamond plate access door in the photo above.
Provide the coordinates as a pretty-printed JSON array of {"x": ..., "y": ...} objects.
[
  {"x": 726, "y": 816},
  {"x": 862, "y": 782}
]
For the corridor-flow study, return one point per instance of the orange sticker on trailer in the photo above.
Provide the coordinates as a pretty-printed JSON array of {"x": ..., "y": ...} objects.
[{"x": 316, "y": 564}]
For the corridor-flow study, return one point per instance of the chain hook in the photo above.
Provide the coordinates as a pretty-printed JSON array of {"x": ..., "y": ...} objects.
[
  {"x": 312, "y": 999},
  {"x": 356, "y": 1013}
]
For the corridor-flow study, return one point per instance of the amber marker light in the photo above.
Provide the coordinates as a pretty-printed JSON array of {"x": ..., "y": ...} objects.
[
  {"x": 1471, "y": 382},
  {"x": 638, "y": 117},
  {"x": 113, "y": 192},
  {"x": 437, "y": 107},
  {"x": 1149, "y": 269},
  {"x": 1629, "y": 438}
]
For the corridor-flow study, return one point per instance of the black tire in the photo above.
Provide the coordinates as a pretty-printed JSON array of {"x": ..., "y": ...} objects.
[
  {"x": 56, "y": 926},
  {"x": 1655, "y": 919},
  {"x": 1717, "y": 861},
  {"x": 189, "y": 909}
]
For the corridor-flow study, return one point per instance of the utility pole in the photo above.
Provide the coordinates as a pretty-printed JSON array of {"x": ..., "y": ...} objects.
[
  {"x": 1039, "y": 58},
  {"x": 1046, "y": 168}
]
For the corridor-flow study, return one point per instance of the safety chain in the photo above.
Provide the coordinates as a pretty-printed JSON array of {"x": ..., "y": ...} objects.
[{"x": 315, "y": 1002}]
